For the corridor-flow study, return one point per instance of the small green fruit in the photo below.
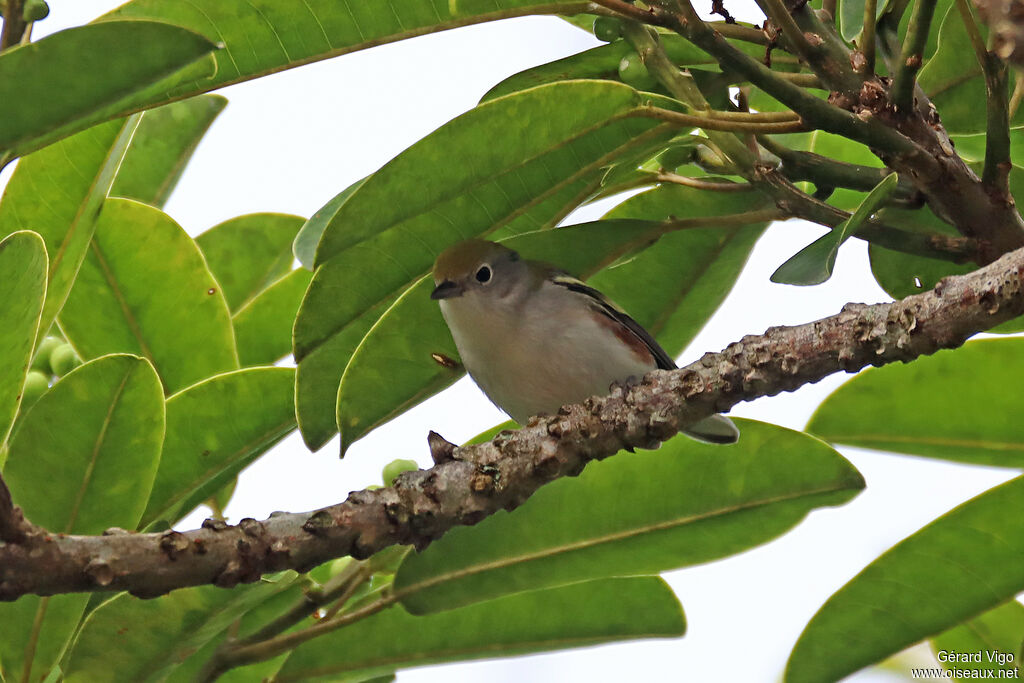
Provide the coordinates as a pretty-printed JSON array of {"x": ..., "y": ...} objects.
[
  {"x": 36, "y": 384},
  {"x": 41, "y": 361},
  {"x": 35, "y": 10},
  {"x": 633, "y": 72},
  {"x": 63, "y": 360},
  {"x": 608, "y": 29},
  {"x": 396, "y": 467}
]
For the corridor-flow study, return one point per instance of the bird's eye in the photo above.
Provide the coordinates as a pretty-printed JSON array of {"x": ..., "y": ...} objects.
[{"x": 483, "y": 275}]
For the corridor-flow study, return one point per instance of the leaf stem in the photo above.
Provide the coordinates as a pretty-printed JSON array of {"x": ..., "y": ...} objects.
[
  {"x": 905, "y": 80},
  {"x": 701, "y": 184},
  {"x": 730, "y": 125}
]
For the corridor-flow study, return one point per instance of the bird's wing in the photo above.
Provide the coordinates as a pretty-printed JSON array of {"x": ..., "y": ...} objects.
[{"x": 610, "y": 309}]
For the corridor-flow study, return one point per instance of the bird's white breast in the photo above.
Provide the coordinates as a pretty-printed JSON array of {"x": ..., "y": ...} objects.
[{"x": 532, "y": 359}]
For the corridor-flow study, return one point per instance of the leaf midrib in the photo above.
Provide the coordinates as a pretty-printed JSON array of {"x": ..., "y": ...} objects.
[
  {"x": 615, "y": 536},
  {"x": 100, "y": 438}
]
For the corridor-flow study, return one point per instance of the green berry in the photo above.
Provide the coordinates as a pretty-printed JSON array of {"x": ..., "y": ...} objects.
[
  {"x": 36, "y": 384},
  {"x": 633, "y": 72},
  {"x": 608, "y": 29},
  {"x": 396, "y": 467},
  {"x": 63, "y": 360},
  {"x": 42, "y": 358},
  {"x": 35, "y": 10}
]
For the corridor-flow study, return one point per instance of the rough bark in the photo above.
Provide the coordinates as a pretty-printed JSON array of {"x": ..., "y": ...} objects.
[{"x": 470, "y": 483}]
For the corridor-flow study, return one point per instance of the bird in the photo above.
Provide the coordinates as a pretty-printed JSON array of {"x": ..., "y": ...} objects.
[{"x": 534, "y": 338}]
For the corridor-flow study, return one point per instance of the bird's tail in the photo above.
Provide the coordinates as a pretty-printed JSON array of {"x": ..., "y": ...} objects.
[{"x": 715, "y": 429}]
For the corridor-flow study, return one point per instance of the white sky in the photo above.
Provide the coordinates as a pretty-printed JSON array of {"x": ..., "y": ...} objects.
[{"x": 291, "y": 141}]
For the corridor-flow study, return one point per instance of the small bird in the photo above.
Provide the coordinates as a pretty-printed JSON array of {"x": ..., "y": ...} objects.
[{"x": 535, "y": 338}]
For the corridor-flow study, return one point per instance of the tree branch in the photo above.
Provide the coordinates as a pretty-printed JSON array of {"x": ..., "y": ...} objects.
[{"x": 502, "y": 474}]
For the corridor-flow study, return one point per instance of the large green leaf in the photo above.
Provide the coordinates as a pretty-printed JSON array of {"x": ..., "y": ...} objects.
[
  {"x": 673, "y": 286},
  {"x": 214, "y": 429},
  {"x": 144, "y": 288},
  {"x": 420, "y": 203},
  {"x": 249, "y": 253},
  {"x": 261, "y": 37},
  {"x": 953, "y": 405},
  {"x": 685, "y": 504},
  {"x": 394, "y": 366},
  {"x": 994, "y": 637},
  {"x": 58, "y": 192},
  {"x": 54, "y": 87},
  {"x": 963, "y": 563},
  {"x": 82, "y": 460},
  {"x": 22, "y": 292},
  {"x": 954, "y": 80},
  {"x": 813, "y": 264},
  {"x": 157, "y": 638},
  {"x": 569, "y": 616},
  {"x": 161, "y": 148},
  {"x": 263, "y": 327}
]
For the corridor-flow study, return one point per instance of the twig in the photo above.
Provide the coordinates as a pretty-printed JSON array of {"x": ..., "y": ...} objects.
[
  {"x": 14, "y": 528},
  {"x": 824, "y": 171},
  {"x": 482, "y": 479},
  {"x": 776, "y": 11},
  {"x": 996, "y": 172},
  {"x": 14, "y": 25},
  {"x": 905, "y": 79},
  {"x": 867, "y": 37}
]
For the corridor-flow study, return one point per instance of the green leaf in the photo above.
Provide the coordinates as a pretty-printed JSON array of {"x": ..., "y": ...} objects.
[
  {"x": 214, "y": 430},
  {"x": 813, "y": 264},
  {"x": 144, "y": 289},
  {"x": 957, "y": 567},
  {"x": 82, "y": 460},
  {"x": 156, "y": 638},
  {"x": 22, "y": 292},
  {"x": 262, "y": 37},
  {"x": 673, "y": 286},
  {"x": 263, "y": 327},
  {"x": 569, "y": 616},
  {"x": 685, "y": 504},
  {"x": 392, "y": 369},
  {"x": 96, "y": 470},
  {"x": 420, "y": 203},
  {"x": 954, "y": 80},
  {"x": 54, "y": 87},
  {"x": 249, "y": 253},
  {"x": 994, "y": 637},
  {"x": 312, "y": 230},
  {"x": 841, "y": 149},
  {"x": 58, "y": 192},
  {"x": 939, "y": 406},
  {"x": 161, "y": 148}
]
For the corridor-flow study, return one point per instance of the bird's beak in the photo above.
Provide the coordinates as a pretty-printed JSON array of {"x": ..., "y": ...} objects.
[{"x": 446, "y": 289}]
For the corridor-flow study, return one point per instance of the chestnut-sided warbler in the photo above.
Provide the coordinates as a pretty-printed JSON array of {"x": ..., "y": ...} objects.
[{"x": 535, "y": 338}]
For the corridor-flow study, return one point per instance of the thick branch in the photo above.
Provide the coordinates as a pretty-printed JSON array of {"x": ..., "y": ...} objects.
[{"x": 482, "y": 479}]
